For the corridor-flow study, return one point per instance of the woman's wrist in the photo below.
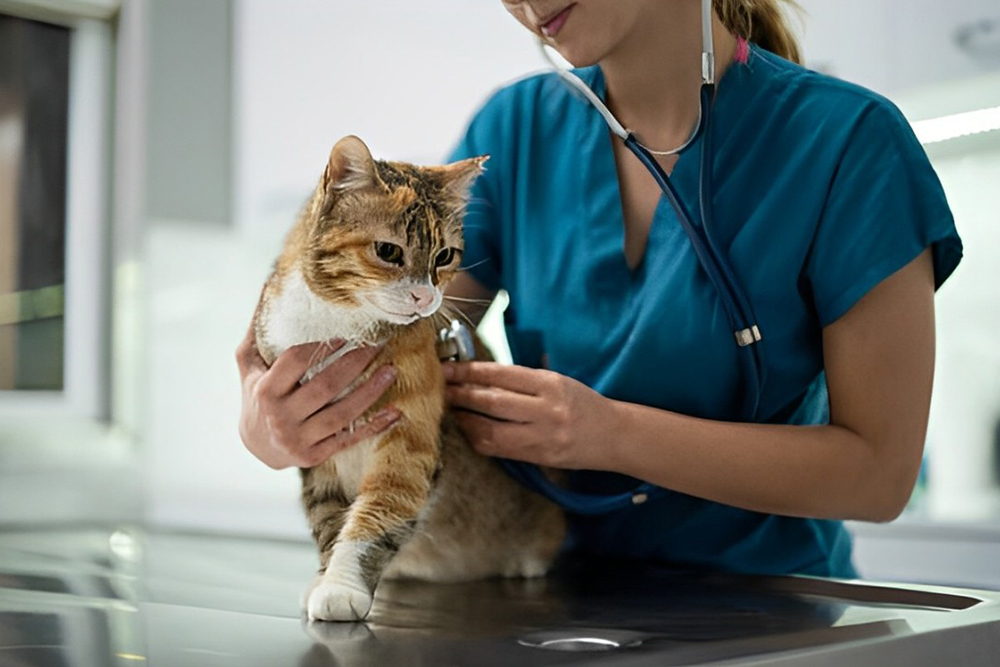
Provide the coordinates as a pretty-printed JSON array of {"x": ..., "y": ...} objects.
[{"x": 619, "y": 429}]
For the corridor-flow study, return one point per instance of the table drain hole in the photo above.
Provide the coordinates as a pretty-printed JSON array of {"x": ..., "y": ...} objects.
[{"x": 579, "y": 643}]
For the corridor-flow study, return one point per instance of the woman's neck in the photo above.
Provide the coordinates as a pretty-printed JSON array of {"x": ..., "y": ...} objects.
[{"x": 653, "y": 77}]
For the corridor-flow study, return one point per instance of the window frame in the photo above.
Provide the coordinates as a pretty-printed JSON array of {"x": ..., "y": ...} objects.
[{"x": 85, "y": 392}]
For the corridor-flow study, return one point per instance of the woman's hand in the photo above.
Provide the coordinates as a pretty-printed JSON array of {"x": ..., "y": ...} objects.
[
  {"x": 531, "y": 415},
  {"x": 284, "y": 423}
]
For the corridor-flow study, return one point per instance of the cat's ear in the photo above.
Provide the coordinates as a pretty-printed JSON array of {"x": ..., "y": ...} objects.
[
  {"x": 350, "y": 167},
  {"x": 458, "y": 177}
]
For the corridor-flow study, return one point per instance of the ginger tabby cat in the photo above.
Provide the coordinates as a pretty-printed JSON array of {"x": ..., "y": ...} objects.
[{"x": 367, "y": 262}]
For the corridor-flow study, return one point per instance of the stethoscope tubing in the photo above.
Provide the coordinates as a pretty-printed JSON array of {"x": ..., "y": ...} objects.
[
  {"x": 720, "y": 273},
  {"x": 734, "y": 301}
]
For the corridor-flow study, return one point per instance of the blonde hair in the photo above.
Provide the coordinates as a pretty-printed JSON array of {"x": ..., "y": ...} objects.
[{"x": 762, "y": 22}]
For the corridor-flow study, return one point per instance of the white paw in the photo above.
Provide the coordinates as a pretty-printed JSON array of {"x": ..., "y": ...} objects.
[
  {"x": 304, "y": 598},
  {"x": 331, "y": 601}
]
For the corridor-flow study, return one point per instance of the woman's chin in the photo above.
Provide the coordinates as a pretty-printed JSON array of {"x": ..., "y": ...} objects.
[{"x": 579, "y": 56}]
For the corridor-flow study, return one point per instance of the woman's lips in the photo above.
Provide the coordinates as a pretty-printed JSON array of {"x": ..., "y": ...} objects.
[{"x": 552, "y": 27}]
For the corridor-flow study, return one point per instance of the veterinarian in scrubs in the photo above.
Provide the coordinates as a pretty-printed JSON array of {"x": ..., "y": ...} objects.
[{"x": 625, "y": 368}]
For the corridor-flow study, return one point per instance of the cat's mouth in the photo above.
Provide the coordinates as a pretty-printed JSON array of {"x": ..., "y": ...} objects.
[
  {"x": 396, "y": 317},
  {"x": 399, "y": 314},
  {"x": 401, "y": 318}
]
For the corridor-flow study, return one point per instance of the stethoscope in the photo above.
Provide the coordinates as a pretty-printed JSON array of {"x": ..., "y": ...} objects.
[{"x": 722, "y": 276}]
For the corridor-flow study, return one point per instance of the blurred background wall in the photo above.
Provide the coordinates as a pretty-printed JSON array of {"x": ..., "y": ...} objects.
[{"x": 218, "y": 116}]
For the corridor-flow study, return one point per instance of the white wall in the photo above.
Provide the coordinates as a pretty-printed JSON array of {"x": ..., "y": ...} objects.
[
  {"x": 894, "y": 45},
  {"x": 965, "y": 413},
  {"x": 403, "y": 76}
]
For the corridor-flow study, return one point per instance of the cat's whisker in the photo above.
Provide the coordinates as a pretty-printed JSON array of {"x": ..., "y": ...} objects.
[
  {"x": 485, "y": 302},
  {"x": 472, "y": 266},
  {"x": 319, "y": 352},
  {"x": 450, "y": 311},
  {"x": 468, "y": 320}
]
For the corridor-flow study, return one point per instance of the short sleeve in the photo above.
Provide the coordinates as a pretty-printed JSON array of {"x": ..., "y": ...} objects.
[
  {"x": 481, "y": 225},
  {"x": 884, "y": 207}
]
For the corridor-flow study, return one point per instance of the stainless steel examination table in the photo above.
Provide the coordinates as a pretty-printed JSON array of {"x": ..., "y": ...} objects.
[{"x": 111, "y": 595}]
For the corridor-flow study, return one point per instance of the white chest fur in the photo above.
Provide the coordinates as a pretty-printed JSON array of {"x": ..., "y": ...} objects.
[{"x": 293, "y": 315}]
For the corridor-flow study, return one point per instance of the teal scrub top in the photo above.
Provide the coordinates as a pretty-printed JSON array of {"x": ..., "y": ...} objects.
[{"x": 821, "y": 192}]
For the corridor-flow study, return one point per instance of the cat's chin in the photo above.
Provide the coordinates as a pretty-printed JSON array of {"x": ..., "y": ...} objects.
[
  {"x": 401, "y": 319},
  {"x": 379, "y": 311},
  {"x": 395, "y": 318}
]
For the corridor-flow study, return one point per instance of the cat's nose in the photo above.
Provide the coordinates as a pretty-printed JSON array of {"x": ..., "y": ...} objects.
[{"x": 422, "y": 296}]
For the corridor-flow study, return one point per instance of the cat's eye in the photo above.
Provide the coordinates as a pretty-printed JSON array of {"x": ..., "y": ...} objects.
[
  {"x": 445, "y": 257},
  {"x": 389, "y": 252}
]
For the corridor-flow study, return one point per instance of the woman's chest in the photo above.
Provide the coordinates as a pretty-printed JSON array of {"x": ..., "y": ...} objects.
[
  {"x": 656, "y": 332},
  {"x": 639, "y": 196}
]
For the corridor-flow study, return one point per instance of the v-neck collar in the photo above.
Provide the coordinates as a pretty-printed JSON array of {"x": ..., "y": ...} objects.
[{"x": 602, "y": 188}]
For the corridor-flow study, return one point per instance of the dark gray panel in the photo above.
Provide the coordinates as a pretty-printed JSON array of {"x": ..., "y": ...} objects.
[{"x": 34, "y": 89}]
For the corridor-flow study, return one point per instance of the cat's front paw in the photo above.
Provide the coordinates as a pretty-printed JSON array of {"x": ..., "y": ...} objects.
[
  {"x": 304, "y": 598},
  {"x": 331, "y": 601}
]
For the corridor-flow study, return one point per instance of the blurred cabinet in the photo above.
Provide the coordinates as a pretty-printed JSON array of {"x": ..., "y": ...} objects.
[{"x": 917, "y": 551}]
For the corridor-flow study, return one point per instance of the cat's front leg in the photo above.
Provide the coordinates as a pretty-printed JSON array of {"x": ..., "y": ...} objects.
[
  {"x": 326, "y": 510},
  {"x": 381, "y": 519}
]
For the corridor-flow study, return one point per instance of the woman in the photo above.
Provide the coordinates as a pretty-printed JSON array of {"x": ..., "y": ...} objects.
[{"x": 826, "y": 208}]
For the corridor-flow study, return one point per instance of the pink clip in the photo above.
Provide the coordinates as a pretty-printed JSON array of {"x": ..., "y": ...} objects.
[{"x": 742, "y": 51}]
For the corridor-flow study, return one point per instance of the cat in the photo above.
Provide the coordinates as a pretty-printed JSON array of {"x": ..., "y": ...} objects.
[{"x": 367, "y": 262}]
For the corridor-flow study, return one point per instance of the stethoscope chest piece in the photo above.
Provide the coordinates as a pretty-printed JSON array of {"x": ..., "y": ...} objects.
[{"x": 455, "y": 343}]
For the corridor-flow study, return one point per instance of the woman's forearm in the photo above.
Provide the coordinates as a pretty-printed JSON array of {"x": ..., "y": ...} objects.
[
  {"x": 879, "y": 361},
  {"x": 809, "y": 471}
]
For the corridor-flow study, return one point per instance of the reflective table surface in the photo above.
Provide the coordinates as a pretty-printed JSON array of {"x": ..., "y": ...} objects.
[{"x": 122, "y": 595}]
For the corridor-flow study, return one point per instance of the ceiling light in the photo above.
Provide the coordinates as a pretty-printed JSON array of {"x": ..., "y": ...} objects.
[{"x": 945, "y": 128}]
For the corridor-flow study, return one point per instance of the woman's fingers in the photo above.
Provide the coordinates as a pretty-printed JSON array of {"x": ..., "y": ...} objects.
[
  {"x": 497, "y": 438},
  {"x": 488, "y": 373},
  {"x": 337, "y": 416},
  {"x": 292, "y": 364},
  {"x": 326, "y": 385},
  {"x": 494, "y": 402},
  {"x": 248, "y": 356},
  {"x": 341, "y": 440}
]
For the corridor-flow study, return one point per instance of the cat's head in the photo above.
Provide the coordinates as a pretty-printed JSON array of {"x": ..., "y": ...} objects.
[{"x": 386, "y": 236}]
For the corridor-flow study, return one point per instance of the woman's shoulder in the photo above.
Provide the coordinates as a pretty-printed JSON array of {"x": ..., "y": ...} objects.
[
  {"x": 539, "y": 102},
  {"x": 819, "y": 102}
]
